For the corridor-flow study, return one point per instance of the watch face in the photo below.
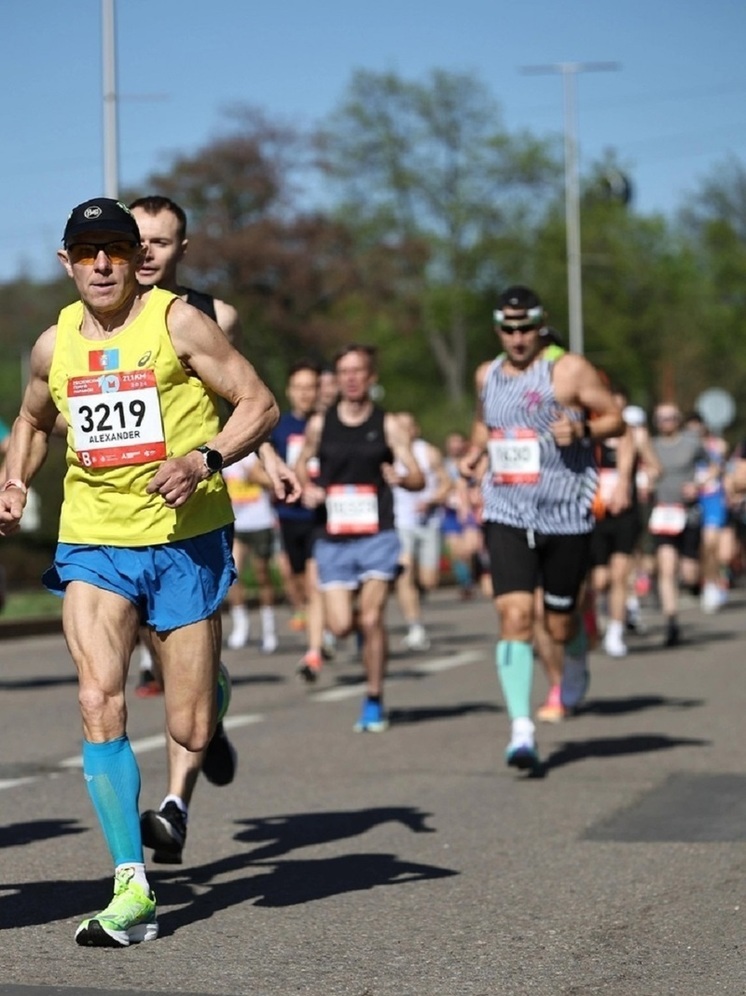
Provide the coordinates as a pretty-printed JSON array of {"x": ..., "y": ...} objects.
[{"x": 214, "y": 460}]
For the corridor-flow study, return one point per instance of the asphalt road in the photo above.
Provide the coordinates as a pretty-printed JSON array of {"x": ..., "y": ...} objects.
[{"x": 411, "y": 863}]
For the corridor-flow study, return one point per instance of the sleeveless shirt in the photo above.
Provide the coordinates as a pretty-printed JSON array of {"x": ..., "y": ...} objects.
[
  {"x": 287, "y": 439},
  {"x": 406, "y": 515},
  {"x": 202, "y": 302},
  {"x": 352, "y": 455},
  {"x": 532, "y": 483},
  {"x": 129, "y": 405},
  {"x": 252, "y": 506}
]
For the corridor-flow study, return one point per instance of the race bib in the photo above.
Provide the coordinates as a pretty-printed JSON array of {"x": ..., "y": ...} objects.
[
  {"x": 514, "y": 456},
  {"x": 667, "y": 520},
  {"x": 608, "y": 478},
  {"x": 293, "y": 448},
  {"x": 351, "y": 510},
  {"x": 116, "y": 418}
]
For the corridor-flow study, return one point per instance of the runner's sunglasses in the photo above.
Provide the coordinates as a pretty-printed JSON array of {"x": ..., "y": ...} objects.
[{"x": 118, "y": 251}]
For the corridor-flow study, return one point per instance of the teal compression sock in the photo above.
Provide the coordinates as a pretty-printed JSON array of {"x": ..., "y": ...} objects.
[
  {"x": 113, "y": 781},
  {"x": 462, "y": 573},
  {"x": 515, "y": 669}
]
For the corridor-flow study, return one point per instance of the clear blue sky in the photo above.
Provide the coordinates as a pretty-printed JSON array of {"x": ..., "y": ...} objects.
[{"x": 674, "y": 111}]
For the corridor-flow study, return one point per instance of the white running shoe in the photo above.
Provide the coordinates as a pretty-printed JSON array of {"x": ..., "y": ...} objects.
[
  {"x": 614, "y": 644},
  {"x": 416, "y": 638},
  {"x": 521, "y": 752},
  {"x": 711, "y": 598},
  {"x": 238, "y": 637},
  {"x": 240, "y": 627}
]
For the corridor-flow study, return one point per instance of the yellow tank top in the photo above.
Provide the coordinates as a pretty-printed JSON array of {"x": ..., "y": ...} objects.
[{"x": 130, "y": 405}]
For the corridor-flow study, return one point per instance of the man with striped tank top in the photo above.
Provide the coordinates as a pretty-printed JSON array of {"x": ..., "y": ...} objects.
[{"x": 539, "y": 410}]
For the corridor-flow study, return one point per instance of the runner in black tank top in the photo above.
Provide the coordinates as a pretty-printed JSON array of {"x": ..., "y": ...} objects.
[{"x": 356, "y": 444}]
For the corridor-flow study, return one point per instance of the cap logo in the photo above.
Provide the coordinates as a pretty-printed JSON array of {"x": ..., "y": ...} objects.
[{"x": 92, "y": 212}]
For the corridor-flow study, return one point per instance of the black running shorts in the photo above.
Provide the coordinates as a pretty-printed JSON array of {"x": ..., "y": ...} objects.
[{"x": 521, "y": 560}]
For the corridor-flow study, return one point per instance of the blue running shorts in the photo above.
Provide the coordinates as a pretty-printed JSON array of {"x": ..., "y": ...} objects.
[
  {"x": 348, "y": 563},
  {"x": 171, "y": 584}
]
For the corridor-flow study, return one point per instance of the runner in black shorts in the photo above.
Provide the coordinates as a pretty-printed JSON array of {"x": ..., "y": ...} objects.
[
  {"x": 617, "y": 530},
  {"x": 524, "y": 561},
  {"x": 534, "y": 427}
]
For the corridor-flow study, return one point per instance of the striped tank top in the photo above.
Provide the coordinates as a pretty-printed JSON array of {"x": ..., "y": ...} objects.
[{"x": 531, "y": 482}]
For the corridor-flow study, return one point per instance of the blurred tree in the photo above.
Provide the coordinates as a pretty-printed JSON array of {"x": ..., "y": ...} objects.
[
  {"x": 251, "y": 241},
  {"x": 714, "y": 224},
  {"x": 427, "y": 171}
]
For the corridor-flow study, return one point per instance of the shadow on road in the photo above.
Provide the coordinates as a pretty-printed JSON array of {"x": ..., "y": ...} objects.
[
  {"x": 293, "y": 882},
  {"x": 634, "y": 703},
  {"x": 24, "y": 684},
  {"x": 580, "y": 750},
  {"x": 17, "y": 834},
  {"x": 269, "y": 879},
  {"x": 689, "y": 638},
  {"x": 424, "y": 714}
]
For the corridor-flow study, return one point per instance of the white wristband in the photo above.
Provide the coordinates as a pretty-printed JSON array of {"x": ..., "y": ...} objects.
[{"x": 13, "y": 482}]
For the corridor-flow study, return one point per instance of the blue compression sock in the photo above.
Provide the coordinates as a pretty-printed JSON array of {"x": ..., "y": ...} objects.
[
  {"x": 515, "y": 669},
  {"x": 113, "y": 782}
]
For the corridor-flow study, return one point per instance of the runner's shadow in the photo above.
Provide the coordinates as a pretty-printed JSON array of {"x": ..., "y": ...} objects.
[
  {"x": 29, "y": 904},
  {"x": 24, "y": 684},
  {"x": 294, "y": 882},
  {"x": 581, "y": 750},
  {"x": 293, "y": 830},
  {"x": 261, "y": 875},
  {"x": 634, "y": 703},
  {"x": 689, "y": 638},
  {"x": 289, "y": 883},
  {"x": 257, "y": 679},
  {"x": 425, "y": 714},
  {"x": 18, "y": 834}
]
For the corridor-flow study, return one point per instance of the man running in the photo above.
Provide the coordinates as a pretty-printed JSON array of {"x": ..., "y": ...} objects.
[
  {"x": 533, "y": 423},
  {"x": 133, "y": 371}
]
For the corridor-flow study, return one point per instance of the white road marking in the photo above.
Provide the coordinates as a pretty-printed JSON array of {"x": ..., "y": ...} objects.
[
  {"x": 9, "y": 783},
  {"x": 146, "y": 744},
  {"x": 446, "y": 663},
  {"x": 434, "y": 666}
]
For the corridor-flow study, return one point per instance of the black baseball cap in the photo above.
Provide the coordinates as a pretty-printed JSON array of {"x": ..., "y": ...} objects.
[
  {"x": 101, "y": 214},
  {"x": 519, "y": 298}
]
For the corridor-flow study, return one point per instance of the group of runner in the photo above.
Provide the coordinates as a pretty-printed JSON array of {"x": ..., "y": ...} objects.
[{"x": 542, "y": 489}]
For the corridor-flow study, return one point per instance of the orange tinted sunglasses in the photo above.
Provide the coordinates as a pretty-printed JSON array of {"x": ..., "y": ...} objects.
[{"x": 118, "y": 251}]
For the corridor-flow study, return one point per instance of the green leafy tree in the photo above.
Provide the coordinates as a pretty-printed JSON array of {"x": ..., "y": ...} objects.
[
  {"x": 426, "y": 170},
  {"x": 251, "y": 241}
]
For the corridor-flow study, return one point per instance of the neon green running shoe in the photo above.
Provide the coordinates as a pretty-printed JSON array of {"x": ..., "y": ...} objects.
[{"x": 128, "y": 919}]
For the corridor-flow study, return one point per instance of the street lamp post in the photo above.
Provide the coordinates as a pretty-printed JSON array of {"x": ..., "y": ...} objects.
[
  {"x": 111, "y": 152},
  {"x": 568, "y": 71}
]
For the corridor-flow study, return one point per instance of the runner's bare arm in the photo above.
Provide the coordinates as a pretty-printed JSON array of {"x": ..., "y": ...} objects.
[
  {"x": 29, "y": 438},
  {"x": 204, "y": 350},
  {"x": 577, "y": 383},
  {"x": 227, "y": 318},
  {"x": 479, "y": 435},
  {"x": 271, "y": 471},
  {"x": 414, "y": 479}
]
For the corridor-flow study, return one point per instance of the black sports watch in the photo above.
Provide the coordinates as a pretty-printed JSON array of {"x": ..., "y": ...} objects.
[{"x": 213, "y": 459}]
